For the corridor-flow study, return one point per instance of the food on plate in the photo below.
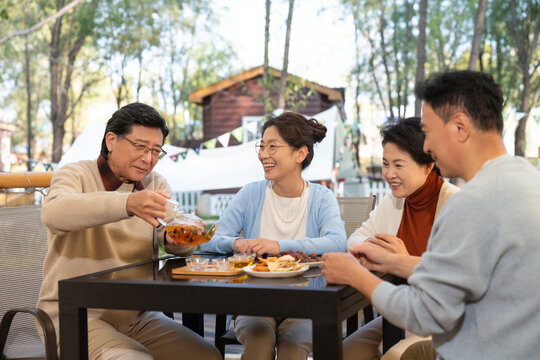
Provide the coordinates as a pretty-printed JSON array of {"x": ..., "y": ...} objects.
[
  {"x": 278, "y": 264},
  {"x": 260, "y": 267},
  {"x": 302, "y": 256}
]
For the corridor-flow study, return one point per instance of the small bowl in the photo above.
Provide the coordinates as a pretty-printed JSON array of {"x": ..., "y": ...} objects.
[
  {"x": 222, "y": 264},
  {"x": 199, "y": 264}
]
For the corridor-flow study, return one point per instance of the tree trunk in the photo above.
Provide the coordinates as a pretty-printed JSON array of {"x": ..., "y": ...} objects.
[
  {"x": 407, "y": 56},
  {"x": 266, "y": 100},
  {"x": 283, "y": 80},
  {"x": 357, "y": 119},
  {"x": 139, "y": 75},
  {"x": 421, "y": 53},
  {"x": 477, "y": 37},
  {"x": 54, "y": 63},
  {"x": 28, "y": 80},
  {"x": 357, "y": 72},
  {"x": 382, "y": 29},
  {"x": 119, "y": 95},
  {"x": 525, "y": 51},
  {"x": 519, "y": 143},
  {"x": 29, "y": 137},
  {"x": 60, "y": 104}
]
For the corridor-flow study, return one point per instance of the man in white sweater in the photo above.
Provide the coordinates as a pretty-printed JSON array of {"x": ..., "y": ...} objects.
[{"x": 476, "y": 289}]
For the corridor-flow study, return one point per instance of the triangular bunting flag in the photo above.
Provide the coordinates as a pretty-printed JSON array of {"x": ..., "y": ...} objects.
[
  {"x": 210, "y": 144},
  {"x": 197, "y": 149},
  {"x": 251, "y": 127},
  {"x": 184, "y": 154},
  {"x": 174, "y": 157},
  {"x": 224, "y": 139},
  {"x": 238, "y": 134}
]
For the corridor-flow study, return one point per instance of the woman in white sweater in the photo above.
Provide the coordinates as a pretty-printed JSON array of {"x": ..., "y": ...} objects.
[
  {"x": 402, "y": 222},
  {"x": 386, "y": 218}
]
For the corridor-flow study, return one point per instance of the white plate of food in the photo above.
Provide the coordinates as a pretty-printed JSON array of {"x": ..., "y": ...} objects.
[
  {"x": 312, "y": 264},
  {"x": 275, "y": 274}
]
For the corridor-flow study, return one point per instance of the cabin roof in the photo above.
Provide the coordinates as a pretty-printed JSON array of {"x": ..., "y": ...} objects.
[{"x": 198, "y": 95}]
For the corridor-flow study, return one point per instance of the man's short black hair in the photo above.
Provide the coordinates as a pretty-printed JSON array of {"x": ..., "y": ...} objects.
[
  {"x": 122, "y": 121},
  {"x": 471, "y": 92}
]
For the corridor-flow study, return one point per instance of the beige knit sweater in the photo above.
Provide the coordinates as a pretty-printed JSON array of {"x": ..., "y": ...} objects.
[{"x": 89, "y": 230}]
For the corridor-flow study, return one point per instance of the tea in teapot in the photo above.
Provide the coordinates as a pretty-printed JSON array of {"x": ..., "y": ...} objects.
[{"x": 188, "y": 229}]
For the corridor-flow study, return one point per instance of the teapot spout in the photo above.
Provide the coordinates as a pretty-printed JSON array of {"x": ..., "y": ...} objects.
[{"x": 211, "y": 232}]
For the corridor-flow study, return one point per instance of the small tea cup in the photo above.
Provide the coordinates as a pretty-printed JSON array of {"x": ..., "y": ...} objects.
[
  {"x": 199, "y": 264},
  {"x": 241, "y": 260},
  {"x": 221, "y": 264}
]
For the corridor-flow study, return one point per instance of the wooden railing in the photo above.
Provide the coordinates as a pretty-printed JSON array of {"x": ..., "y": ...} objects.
[
  {"x": 25, "y": 180},
  {"x": 41, "y": 180},
  {"x": 18, "y": 189}
]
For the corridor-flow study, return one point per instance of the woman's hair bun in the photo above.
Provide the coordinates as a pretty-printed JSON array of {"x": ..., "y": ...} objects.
[{"x": 319, "y": 130}]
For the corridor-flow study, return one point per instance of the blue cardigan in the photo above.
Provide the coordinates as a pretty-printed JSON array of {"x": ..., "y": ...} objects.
[{"x": 325, "y": 229}]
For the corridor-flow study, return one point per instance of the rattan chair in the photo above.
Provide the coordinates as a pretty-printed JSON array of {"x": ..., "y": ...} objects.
[
  {"x": 23, "y": 246},
  {"x": 354, "y": 211}
]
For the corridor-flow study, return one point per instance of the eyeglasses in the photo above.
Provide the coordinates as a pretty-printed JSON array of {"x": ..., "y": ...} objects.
[
  {"x": 270, "y": 148},
  {"x": 141, "y": 149}
]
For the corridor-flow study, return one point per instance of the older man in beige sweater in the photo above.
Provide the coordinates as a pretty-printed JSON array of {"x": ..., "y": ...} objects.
[{"x": 103, "y": 214}]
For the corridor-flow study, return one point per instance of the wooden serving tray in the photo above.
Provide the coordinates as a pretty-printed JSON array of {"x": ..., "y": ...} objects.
[{"x": 184, "y": 270}]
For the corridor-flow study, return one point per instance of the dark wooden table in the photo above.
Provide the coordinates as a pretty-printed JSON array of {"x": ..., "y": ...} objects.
[{"x": 151, "y": 286}]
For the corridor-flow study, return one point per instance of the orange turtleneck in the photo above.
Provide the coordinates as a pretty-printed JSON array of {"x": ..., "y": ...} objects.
[{"x": 419, "y": 215}]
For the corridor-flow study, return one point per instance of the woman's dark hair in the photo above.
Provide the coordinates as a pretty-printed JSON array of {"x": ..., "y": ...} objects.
[
  {"x": 123, "y": 119},
  {"x": 407, "y": 135},
  {"x": 297, "y": 131}
]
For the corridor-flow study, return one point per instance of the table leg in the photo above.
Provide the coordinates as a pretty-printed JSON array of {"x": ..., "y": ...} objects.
[
  {"x": 391, "y": 335},
  {"x": 327, "y": 340},
  {"x": 73, "y": 333},
  {"x": 194, "y": 322},
  {"x": 352, "y": 324}
]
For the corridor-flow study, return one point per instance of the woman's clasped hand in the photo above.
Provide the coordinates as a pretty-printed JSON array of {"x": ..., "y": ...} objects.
[{"x": 257, "y": 246}]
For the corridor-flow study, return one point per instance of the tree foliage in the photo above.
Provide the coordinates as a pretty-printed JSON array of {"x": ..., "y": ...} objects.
[
  {"x": 160, "y": 51},
  {"x": 387, "y": 55},
  {"x": 151, "y": 51}
]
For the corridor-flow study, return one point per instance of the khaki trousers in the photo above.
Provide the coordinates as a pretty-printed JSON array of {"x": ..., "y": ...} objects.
[
  {"x": 261, "y": 335},
  {"x": 154, "y": 337},
  {"x": 365, "y": 344}
]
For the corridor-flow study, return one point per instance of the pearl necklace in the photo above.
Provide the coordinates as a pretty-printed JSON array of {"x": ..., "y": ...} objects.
[{"x": 300, "y": 202}]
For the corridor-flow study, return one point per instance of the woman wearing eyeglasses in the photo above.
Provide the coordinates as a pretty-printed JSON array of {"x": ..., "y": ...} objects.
[{"x": 283, "y": 212}]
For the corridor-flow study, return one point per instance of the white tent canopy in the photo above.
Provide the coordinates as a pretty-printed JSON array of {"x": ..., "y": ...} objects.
[{"x": 221, "y": 168}]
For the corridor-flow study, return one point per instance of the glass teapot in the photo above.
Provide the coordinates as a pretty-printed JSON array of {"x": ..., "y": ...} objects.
[{"x": 188, "y": 229}]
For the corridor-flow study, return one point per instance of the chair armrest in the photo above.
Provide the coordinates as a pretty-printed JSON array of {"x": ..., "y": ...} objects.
[
  {"x": 399, "y": 349},
  {"x": 45, "y": 323}
]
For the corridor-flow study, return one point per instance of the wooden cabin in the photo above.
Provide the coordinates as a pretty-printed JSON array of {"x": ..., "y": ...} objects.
[{"x": 226, "y": 103}]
